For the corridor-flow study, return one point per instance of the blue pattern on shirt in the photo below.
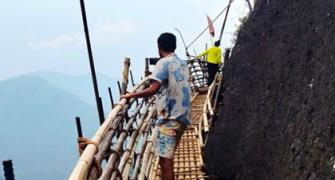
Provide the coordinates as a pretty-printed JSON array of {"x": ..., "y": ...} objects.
[{"x": 173, "y": 99}]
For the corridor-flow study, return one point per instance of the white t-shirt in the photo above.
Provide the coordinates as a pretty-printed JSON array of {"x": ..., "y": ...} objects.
[{"x": 173, "y": 98}]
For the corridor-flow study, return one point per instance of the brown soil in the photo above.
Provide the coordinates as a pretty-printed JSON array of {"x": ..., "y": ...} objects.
[{"x": 277, "y": 116}]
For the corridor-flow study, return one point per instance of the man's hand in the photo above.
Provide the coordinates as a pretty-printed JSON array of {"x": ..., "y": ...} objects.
[
  {"x": 151, "y": 90},
  {"x": 127, "y": 96}
]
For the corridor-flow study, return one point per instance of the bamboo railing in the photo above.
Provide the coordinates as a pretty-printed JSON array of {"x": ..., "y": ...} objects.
[
  {"x": 198, "y": 73},
  {"x": 123, "y": 146}
]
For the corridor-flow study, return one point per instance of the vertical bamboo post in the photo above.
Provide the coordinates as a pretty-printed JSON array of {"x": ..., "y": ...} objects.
[
  {"x": 133, "y": 82},
  {"x": 221, "y": 82},
  {"x": 119, "y": 86},
  {"x": 205, "y": 119},
  {"x": 146, "y": 70},
  {"x": 218, "y": 92},
  {"x": 111, "y": 97},
  {"x": 132, "y": 78},
  {"x": 90, "y": 56},
  {"x": 79, "y": 130},
  {"x": 101, "y": 107},
  {"x": 125, "y": 75},
  {"x": 8, "y": 170}
]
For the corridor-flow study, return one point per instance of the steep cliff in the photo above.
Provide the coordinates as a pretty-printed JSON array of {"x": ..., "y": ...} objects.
[{"x": 277, "y": 116}]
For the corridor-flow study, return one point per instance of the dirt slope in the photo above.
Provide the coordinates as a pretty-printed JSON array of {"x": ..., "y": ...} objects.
[{"x": 277, "y": 119}]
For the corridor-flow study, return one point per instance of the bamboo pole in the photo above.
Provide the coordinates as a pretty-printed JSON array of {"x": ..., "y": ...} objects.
[
  {"x": 150, "y": 160},
  {"x": 114, "y": 156},
  {"x": 137, "y": 164},
  {"x": 208, "y": 98},
  {"x": 206, "y": 128},
  {"x": 105, "y": 144},
  {"x": 104, "y": 148},
  {"x": 140, "y": 154},
  {"x": 125, "y": 73},
  {"x": 145, "y": 161},
  {"x": 211, "y": 112},
  {"x": 201, "y": 138},
  {"x": 132, "y": 143},
  {"x": 201, "y": 161},
  {"x": 216, "y": 99},
  {"x": 8, "y": 169},
  {"x": 91, "y": 61},
  {"x": 146, "y": 155},
  {"x": 107, "y": 139},
  {"x": 81, "y": 169},
  {"x": 138, "y": 157},
  {"x": 126, "y": 170}
]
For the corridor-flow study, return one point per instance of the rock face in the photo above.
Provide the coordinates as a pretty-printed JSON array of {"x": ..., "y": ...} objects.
[{"x": 277, "y": 116}]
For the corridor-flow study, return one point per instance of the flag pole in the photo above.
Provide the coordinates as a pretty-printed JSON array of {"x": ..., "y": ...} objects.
[
  {"x": 182, "y": 38},
  {"x": 202, "y": 32},
  {"x": 249, "y": 5},
  {"x": 225, "y": 20},
  {"x": 211, "y": 29},
  {"x": 211, "y": 40}
]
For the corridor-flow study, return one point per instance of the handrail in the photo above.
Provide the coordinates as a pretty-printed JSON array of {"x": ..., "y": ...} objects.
[{"x": 81, "y": 169}]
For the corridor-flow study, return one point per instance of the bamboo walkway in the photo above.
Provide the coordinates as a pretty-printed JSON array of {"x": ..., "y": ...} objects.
[
  {"x": 123, "y": 146},
  {"x": 188, "y": 162}
]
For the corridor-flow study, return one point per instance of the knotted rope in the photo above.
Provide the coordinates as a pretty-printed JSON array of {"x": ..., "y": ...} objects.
[{"x": 82, "y": 144}]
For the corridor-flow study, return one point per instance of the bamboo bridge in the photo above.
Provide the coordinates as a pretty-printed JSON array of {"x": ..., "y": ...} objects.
[{"x": 123, "y": 146}]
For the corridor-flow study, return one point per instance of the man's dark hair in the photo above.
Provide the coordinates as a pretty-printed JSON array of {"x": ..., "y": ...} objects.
[
  {"x": 167, "y": 42},
  {"x": 217, "y": 43}
]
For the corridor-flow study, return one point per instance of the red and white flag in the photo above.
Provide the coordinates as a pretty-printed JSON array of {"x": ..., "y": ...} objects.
[{"x": 210, "y": 26}]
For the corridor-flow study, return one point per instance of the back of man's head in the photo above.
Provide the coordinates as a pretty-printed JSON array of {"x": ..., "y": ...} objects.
[
  {"x": 217, "y": 43},
  {"x": 167, "y": 42}
]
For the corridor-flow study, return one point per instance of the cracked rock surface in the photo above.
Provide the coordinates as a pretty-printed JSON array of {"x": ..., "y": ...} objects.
[{"x": 277, "y": 114}]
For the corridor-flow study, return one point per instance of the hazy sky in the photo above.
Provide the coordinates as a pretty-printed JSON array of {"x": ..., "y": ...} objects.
[{"x": 48, "y": 34}]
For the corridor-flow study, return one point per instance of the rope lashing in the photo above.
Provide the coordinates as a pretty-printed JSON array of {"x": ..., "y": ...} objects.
[{"x": 82, "y": 144}]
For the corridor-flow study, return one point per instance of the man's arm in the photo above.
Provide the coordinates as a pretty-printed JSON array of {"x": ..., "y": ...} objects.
[
  {"x": 147, "y": 92},
  {"x": 202, "y": 54}
]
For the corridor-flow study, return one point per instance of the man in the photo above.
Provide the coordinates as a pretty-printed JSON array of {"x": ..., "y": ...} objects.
[
  {"x": 169, "y": 80},
  {"x": 213, "y": 61}
]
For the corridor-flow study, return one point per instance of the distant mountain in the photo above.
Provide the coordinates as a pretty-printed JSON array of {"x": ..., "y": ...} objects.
[
  {"x": 37, "y": 127},
  {"x": 81, "y": 85}
]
